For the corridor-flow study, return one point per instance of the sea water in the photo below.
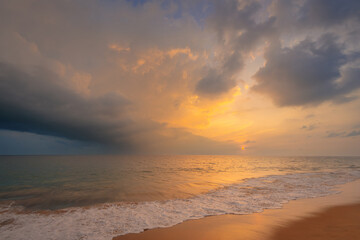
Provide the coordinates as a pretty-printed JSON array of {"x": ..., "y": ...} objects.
[{"x": 99, "y": 197}]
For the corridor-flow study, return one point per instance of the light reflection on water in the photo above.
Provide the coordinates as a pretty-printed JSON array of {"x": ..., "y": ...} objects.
[{"x": 54, "y": 182}]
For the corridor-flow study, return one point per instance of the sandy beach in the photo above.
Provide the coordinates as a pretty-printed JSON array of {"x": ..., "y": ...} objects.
[
  {"x": 342, "y": 222},
  {"x": 332, "y": 217}
]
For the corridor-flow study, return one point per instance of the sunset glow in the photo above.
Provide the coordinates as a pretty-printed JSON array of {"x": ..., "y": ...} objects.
[
  {"x": 179, "y": 77},
  {"x": 179, "y": 119}
]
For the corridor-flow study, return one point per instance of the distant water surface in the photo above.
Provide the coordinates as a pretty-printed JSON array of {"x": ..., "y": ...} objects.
[{"x": 56, "y": 182}]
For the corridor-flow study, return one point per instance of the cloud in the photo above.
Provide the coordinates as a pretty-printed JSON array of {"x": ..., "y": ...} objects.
[
  {"x": 112, "y": 79},
  {"x": 316, "y": 69},
  {"x": 301, "y": 15},
  {"x": 149, "y": 76},
  {"x": 335, "y": 134},
  {"x": 353, "y": 133},
  {"x": 248, "y": 142},
  {"x": 215, "y": 83},
  {"x": 25, "y": 143},
  {"x": 308, "y": 73},
  {"x": 37, "y": 103},
  {"x": 238, "y": 33},
  {"x": 309, "y": 127},
  {"x": 329, "y": 12},
  {"x": 178, "y": 141}
]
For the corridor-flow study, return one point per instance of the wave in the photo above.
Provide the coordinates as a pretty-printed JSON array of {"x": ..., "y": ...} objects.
[{"x": 108, "y": 220}]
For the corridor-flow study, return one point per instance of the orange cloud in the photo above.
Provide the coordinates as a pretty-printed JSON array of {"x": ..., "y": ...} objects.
[
  {"x": 187, "y": 51},
  {"x": 119, "y": 48}
]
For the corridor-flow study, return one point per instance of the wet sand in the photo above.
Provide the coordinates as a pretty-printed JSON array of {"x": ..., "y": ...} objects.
[
  {"x": 332, "y": 217},
  {"x": 341, "y": 222}
]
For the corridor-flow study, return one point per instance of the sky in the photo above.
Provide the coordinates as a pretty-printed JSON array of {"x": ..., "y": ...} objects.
[{"x": 249, "y": 77}]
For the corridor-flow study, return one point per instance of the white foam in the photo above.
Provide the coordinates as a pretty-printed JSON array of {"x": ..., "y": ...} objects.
[{"x": 109, "y": 220}]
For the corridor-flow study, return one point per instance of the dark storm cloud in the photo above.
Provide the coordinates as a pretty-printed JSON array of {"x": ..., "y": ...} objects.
[
  {"x": 308, "y": 73},
  {"x": 329, "y": 12},
  {"x": 315, "y": 13},
  {"x": 84, "y": 51},
  {"x": 317, "y": 70},
  {"x": 215, "y": 83},
  {"x": 36, "y": 102},
  {"x": 238, "y": 33}
]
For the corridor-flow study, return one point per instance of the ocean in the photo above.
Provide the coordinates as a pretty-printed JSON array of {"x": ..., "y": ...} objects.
[{"x": 99, "y": 197}]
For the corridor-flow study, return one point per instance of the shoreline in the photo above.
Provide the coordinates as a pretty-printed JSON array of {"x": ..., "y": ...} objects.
[
  {"x": 261, "y": 226},
  {"x": 109, "y": 221}
]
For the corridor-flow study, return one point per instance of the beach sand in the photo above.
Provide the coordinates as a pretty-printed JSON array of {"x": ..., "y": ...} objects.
[
  {"x": 342, "y": 222},
  {"x": 332, "y": 217}
]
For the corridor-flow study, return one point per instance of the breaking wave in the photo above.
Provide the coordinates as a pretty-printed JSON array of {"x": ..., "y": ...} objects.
[{"x": 108, "y": 220}]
